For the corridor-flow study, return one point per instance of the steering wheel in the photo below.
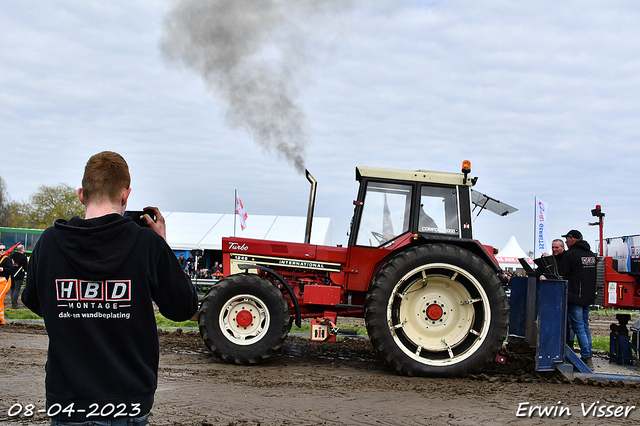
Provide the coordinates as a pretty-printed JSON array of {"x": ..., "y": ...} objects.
[{"x": 378, "y": 236}]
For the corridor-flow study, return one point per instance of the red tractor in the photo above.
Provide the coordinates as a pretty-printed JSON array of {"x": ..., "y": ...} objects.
[{"x": 429, "y": 293}]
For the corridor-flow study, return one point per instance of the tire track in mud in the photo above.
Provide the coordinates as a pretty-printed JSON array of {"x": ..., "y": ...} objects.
[{"x": 310, "y": 383}]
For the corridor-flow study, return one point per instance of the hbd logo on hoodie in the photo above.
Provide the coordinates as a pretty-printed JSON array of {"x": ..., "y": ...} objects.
[{"x": 94, "y": 291}]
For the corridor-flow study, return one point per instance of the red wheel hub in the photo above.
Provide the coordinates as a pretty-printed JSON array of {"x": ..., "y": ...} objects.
[
  {"x": 434, "y": 312},
  {"x": 244, "y": 318}
]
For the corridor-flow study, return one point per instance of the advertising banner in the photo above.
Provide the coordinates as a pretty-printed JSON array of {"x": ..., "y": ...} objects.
[{"x": 542, "y": 243}]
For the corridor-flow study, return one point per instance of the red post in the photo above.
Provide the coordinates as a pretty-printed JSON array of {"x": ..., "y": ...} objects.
[
  {"x": 601, "y": 225},
  {"x": 597, "y": 212}
]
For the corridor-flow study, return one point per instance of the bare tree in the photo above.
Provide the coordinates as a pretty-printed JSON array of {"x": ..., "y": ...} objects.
[{"x": 4, "y": 201}]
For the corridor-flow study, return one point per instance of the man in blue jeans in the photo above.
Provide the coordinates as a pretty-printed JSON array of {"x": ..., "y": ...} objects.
[{"x": 579, "y": 269}]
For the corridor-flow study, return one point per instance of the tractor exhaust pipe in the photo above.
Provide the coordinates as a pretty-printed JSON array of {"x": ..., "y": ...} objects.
[{"x": 312, "y": 203}]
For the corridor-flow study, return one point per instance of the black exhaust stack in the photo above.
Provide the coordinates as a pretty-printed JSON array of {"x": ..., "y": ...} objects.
[{"x": 312, "y": 203}]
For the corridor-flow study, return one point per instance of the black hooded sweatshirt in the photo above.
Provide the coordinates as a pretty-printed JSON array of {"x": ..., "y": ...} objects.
[
  {"x": 578, "y": 266},
  {"x": 93, "y": 281}
]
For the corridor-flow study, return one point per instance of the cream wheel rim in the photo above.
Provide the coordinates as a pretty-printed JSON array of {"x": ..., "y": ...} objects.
[
  {"x": 435, "y": 318},
  {"x": 244, "y": 319}
]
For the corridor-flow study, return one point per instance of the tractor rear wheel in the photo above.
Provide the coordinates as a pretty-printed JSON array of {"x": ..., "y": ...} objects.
[
  {"x": 244, "y": 319},
  {"x": 436, "y": 310}
]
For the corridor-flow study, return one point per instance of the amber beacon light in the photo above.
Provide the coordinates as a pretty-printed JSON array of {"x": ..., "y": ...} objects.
[{"x": 466, "y": 169}]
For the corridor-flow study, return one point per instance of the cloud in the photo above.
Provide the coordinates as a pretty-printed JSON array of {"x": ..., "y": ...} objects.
[{"x": 541, "y": 97}]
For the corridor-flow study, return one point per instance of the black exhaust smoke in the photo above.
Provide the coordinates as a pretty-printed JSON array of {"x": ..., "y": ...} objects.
[{"x": 250, "y": 54}]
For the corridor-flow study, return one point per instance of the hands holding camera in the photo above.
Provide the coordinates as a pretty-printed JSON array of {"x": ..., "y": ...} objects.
[{"x": 158, "y": 225}]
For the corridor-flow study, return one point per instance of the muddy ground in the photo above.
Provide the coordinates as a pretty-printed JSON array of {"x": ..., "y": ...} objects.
[{"x": 310, "y": 383}]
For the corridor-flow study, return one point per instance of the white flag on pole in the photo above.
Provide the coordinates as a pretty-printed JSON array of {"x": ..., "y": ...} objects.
[
  {"x": 240, "y": 212},
  {"x": 542, "y": 231}
]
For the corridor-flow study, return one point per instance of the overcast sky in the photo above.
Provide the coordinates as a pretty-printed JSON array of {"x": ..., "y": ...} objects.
[{"x": 542, "y": 97}]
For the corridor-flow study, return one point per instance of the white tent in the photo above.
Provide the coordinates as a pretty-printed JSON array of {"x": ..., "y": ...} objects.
[
  {"x": 509, "y": 255},
  {"x": 188, "y": 231}
]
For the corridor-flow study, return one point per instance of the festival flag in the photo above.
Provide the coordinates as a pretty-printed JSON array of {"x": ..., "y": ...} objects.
[
  {"x": 240, "y": 212},
  {"x": 542, "y": 231}
]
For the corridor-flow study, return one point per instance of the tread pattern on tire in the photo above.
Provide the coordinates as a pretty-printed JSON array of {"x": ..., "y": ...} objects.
[
  {"x": 382, "y": 285},
  {"x": 212, "y": 334}
]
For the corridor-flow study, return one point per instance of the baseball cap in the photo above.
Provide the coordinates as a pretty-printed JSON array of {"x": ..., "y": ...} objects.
[{"x": 573, "y": 234}]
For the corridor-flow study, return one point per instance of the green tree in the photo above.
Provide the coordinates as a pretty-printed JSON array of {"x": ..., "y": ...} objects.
[
  {"x": 45, "y": 205},
  {"x": 18, "y": 215},
  {"x": 49, "y": 203}
]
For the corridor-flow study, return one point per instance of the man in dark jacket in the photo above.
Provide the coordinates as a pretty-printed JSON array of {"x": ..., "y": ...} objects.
[
  {"x": 94, "y": 281},
  {"x": 579, "y": 269},
  {"x": 20, "y": 261},
  {"x": 557, "y": 249}
]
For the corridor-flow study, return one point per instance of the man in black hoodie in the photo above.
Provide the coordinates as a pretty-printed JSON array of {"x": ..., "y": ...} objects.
[
  {"x": 20, "y": 260},
  {"x": 578, "y": 267},
  {"x": 94, "y": 281}
]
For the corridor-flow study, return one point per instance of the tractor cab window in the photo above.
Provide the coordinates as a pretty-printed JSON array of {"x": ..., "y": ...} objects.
[
  {"x": 385, "y": 213},
  {"x": 438, "y": 210}
]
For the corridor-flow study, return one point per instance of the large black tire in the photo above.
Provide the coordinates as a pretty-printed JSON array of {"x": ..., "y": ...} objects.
[
  {"x": 244, "y": 319},
  {"x": 436, "y": 310}
]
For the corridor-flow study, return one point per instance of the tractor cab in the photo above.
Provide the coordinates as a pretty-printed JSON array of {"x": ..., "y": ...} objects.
[
  {"x": 400, "y": 208},
  {"x": 392, "y": 203}
]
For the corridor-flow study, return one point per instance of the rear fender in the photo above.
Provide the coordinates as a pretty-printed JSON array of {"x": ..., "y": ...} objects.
[{"x": 483, "y": 251}]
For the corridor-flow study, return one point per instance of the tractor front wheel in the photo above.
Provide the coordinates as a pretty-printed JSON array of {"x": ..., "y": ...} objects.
[
  {"x": 244, "y": 319},
  {"x": 436, "y": 310}
]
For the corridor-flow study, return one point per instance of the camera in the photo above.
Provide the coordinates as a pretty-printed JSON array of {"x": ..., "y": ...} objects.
[{"x": 136, "y": 216}]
